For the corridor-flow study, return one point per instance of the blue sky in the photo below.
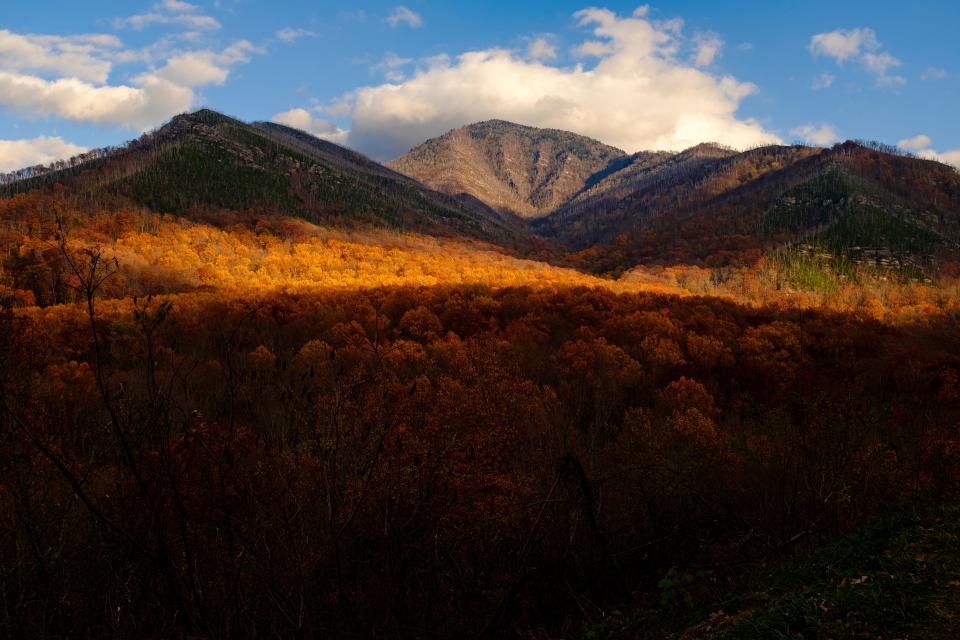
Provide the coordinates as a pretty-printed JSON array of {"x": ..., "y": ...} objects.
[{"x": 382, "y": 76}]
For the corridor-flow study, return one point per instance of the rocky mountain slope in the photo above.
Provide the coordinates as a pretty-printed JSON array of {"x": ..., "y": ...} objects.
[{"x": 513, "y": 168}]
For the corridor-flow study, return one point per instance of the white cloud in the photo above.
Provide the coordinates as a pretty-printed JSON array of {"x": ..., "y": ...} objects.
[
  {"x": 947, "y": 157},
  {"x": 821, "y": 135},
  {"x": 292, "y": 35},
  {"x": 175, "y": 6},
  {"x": 194, "y": 69},
  {"x": 708, "y": 46},
  {"x": 169, "y": 12},
  {"x": 239, "y": 52},
  {"x": 542, "y": 48},
  {"x": 916, "y": 143},
  {"x": 199, "y": 68},
  {"x": 639, "y": 94},
  {"x": 81, "y": 56},
  {"x": 879, "y": 64},
  {"x": 149, "y": 98},
  {"x": 934, "y": 73},
  {"x": 403, "y": 15},
  {"x": 142, "y": 21},
  {"x": 392, "y": 67},
  {"x": 844, "y": 44},
  {"x": 18, "y": 154},
  {"x": 592, "y": 49},
  {"x": 861, "y": 45},
  {"x": 149, "y": 101},
  {"x": 824, "y": 81},
  {"x": 303, "y": 120},
  {"x": 922, "y": 145}
]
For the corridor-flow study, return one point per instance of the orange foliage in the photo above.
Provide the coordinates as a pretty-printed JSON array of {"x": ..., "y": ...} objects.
[{"x": 325, "y": 430}]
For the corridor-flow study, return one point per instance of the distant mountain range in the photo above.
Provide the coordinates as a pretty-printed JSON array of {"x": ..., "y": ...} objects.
[
  {"x": 520, "y": 186},
  {"x": 705, "y": 205}
]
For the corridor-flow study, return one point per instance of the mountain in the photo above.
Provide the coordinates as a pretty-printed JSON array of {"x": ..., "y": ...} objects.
[
  {"x": 606, "y": 211},
  {"x": 662, "y": 186},
  {"x": 208, "y": 164},
  {"x": 706, "y": 205},
  {"x": 641, "y": 170},
  {"x": 592, "y": 214},
  {"x": 522, "y": 170},
  {"x": 853, "y": 202}
]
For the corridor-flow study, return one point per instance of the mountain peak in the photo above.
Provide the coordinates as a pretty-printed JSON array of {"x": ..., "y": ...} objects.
[
  {"x": 492, "y": 122},
  {"x": 708, "y": 150},
  {"x": 512, "y": 167},
  {"x": 191, "y": 119},
  {"x": 204, "y": 115}
]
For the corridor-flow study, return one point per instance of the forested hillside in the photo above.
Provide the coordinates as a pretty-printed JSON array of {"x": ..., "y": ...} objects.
[
  {"x": 207, "y": 164},
  {"x": 849, "y": 203}
]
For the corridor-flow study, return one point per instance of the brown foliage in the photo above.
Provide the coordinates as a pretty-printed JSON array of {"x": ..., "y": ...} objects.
[{"x": 398, "y": 460}]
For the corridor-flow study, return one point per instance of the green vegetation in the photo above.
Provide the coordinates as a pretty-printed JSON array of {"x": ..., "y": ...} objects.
[
  {"x": 195, "y": 176},
  {"x": 839, "y": 223},
  {"x": 898, "y": 578},
  {"x": 812, "y": 203},
  {"x": 812, "y": 273},
  {"x": 867, "y": 226}
]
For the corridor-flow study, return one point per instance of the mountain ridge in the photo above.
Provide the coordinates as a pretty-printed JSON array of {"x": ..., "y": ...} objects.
[
  {"x": 706, "y": 204},
  {"x": 204, "y": 163},
  {"x": 585, "y": 203}
]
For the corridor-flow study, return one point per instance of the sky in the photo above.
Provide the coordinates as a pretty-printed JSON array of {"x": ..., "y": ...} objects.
[{"x": 382, "y": 77}]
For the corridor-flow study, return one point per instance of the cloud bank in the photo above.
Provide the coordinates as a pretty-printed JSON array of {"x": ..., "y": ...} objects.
[
  {"x": 645, "y": 90},
  {"x": 68, "y": 77},
  {"x": 17, "y": 154},
  {"x": 81, "y": 56},
  {"x": 150, "y": 98}
]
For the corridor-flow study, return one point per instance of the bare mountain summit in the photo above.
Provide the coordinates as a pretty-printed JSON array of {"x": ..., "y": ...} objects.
[{"x": 523, "y": 170}]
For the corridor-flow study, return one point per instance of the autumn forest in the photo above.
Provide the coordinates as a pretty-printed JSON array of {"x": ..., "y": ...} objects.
[{"x": 257, "y": 385}]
